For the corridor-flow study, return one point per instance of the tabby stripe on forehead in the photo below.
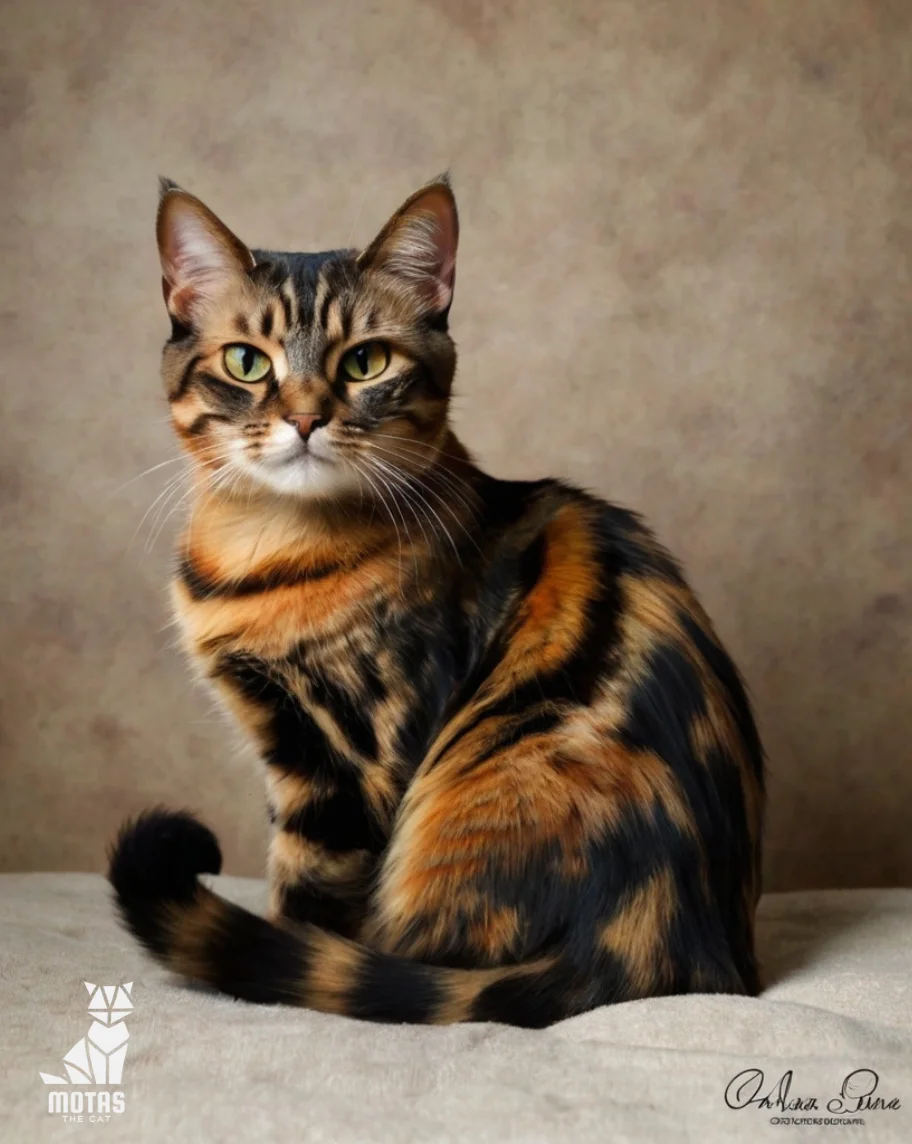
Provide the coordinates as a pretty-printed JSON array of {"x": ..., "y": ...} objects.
[
  {"x": 266, "y": 322},
  {"x": 286, "y": 304},
  {"x": 242, "y": 324},
  {"x": 324, "y": 308}
]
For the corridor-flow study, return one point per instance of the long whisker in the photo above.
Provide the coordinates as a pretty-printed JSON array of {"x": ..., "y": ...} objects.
[
  {"x": 409, "y": 443},
  {"x": 415, "y": 482},
  {"x": 392, "y": 490},
  {"x": 394, "y": 484},
  {"x": 405, "y": 440},
  {"x": 382, "y": 500},
  {"x": 163, "y": 517},
  {"x": 452, "y": 485},
  {"x": 222, "y": 478},
  {"x": 421, "y": 480},
  {"x": 404, "y": 504},
  {"x": 162, "y": 464},
  {"x": 169, "y": 507},
  {"x": 170, "y": 486},
  {"x": 406, "y": 488},
  {"x": 145, "y": 473}
]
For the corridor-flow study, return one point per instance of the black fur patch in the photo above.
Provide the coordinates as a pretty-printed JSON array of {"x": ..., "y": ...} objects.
[
  {"x": 393, "y": 989},
  {"x": 203, "y": 588},
  {"x": 157, "y": 857},
  {"x": 339, "y": 821},
  {"x": 253, "y": 960},
  {"x": 530, "y": 1000},
  {"x": 154, "y": 861},
  {"x": 297, "y": 743},
  {"x": 308, "y": 903}
]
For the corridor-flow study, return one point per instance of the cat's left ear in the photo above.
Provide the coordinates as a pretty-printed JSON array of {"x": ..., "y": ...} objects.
[
  {"x": 199, "y": 254},
  {"x": 418, "y": 245}
]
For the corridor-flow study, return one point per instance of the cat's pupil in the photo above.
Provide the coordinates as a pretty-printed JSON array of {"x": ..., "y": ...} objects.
[
  {"x": 361, "y": 356},
  {"x": 247, "y": 358}
]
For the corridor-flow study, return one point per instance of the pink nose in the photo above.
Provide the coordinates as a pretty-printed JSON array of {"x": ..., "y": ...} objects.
[{"x": 305, "y": 423}]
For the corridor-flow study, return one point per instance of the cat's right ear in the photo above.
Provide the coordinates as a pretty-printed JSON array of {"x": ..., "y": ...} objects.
[{"x": 199, "y": 254}]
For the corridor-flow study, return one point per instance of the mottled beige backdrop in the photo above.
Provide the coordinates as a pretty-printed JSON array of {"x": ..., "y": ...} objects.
[{"x": 684, "y": 282}]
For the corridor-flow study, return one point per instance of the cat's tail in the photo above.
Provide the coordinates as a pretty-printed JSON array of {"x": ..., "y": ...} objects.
[{"x": 154, "y": 866}]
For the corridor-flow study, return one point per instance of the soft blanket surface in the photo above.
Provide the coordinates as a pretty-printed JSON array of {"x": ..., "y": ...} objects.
[{"x": 202, "y": 1067}]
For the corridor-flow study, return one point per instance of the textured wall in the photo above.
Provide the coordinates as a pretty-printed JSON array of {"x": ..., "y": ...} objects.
[{"x": 684, "y": 282}]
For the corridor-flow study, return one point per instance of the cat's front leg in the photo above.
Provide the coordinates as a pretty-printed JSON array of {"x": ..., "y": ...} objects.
[
  {"x": 310, "y": 883},
  {"x": 330, "y": 805},
  {"x": 326, "y": 843}
]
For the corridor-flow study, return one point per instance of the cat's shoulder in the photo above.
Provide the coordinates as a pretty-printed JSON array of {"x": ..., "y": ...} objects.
[{"x": 617, "y": 536}]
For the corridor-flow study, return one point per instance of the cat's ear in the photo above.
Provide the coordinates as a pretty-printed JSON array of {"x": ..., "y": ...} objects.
[
  {"x": 418, "y": 244},
  {"x": 199, "y": 254}
]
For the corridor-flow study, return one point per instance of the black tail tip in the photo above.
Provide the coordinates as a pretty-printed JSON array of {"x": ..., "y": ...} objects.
[{"x": 158, "y": 856}]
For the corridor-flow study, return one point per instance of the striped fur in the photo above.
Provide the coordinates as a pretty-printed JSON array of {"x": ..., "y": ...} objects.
[{"x": 511, "y": 771}]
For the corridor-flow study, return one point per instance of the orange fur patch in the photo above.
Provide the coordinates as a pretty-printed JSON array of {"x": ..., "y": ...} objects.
[
  {"x": 637, "y": 934},
  {"x": 332, "y": 973}
]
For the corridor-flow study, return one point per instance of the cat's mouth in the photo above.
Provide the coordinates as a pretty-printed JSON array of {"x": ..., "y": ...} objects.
[
  {"x": 298, "y": 453},
  {"x": 301, "y": 468},
  {"x": 300, "y": 456}
]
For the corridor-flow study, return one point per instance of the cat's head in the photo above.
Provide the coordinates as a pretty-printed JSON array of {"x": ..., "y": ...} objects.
[
  {"x": 110, "y": 1003},
  {"x": 313, "y": 375}
]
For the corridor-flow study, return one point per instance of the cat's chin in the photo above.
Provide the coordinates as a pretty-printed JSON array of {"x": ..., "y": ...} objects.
[{"x": 306, "y": 477}]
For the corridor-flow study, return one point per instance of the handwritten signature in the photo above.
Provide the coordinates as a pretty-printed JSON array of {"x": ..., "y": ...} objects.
[{"x": 746, "y": 1090}]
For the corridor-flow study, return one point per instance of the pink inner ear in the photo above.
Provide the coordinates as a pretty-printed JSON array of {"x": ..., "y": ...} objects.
[
  {"x": 438, "y": 203},
  {"x": 446, "y": 238},
  {"x": 445, "y": 285},
  {"x": 419, "y": 245},
  {"x": 199, "y": 255}
]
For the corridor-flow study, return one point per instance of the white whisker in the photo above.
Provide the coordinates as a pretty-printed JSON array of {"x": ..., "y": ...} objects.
[{"x": 407, "y": 488}]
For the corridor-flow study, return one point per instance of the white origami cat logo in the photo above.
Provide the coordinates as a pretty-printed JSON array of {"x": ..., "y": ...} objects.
[{"x": 99, "y": 1057}]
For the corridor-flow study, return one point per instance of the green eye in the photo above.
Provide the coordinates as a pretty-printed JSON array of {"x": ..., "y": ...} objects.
[
  {"x": 244, "y": 363},
  {"x": 366, "y": 362}
]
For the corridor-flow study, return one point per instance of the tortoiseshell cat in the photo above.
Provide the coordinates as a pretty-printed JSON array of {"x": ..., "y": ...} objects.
[{"x": 512, "y": 773}]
